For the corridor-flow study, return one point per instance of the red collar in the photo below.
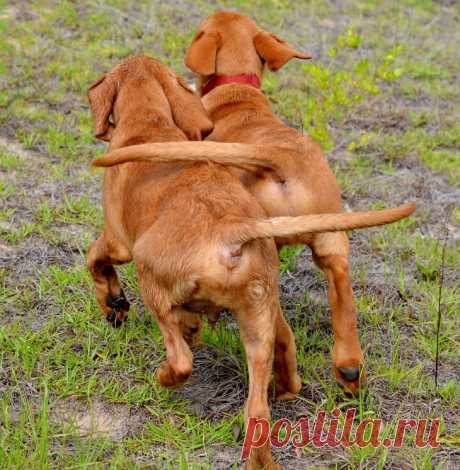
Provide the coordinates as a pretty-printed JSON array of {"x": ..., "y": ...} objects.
[{"x": 224, "y": 79}]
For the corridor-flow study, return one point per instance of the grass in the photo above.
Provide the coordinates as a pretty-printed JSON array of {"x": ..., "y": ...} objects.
[{"x": 380, "y": 96}]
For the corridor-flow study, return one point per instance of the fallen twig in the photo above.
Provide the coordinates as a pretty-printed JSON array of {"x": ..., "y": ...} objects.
[{"x": 441, "y": 283}]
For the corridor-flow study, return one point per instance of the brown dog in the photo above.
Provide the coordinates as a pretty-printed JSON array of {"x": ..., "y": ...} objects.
[
  {"x": 185, "y": 228},
  {"x": 198, "y": 237},
  {"x": 228, "y": 48},
  {"x": 228, "y": 54}
]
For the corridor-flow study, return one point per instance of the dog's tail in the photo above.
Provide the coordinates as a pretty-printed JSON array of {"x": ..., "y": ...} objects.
[
  {"x": 251, "y": 229},
  {"x": 252, "y": 157},
  {"x": 246, "y": 156}
]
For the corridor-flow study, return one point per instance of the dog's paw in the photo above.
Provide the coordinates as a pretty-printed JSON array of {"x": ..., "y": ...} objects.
[
  {"x": 114, "y": 320},
  {"x": 287, "y": 389},
  {"x": 351, "y": 374},
  {"x": 119, "y": 308},
  {"x": 350, "y": 378},
  {"x": 118, "y": 303},
  {"x": 168, "y": 377}
]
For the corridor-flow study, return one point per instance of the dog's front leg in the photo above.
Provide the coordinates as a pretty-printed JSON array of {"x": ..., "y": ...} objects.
[
  {"x": 177, "y": 367},
  {"x": 109, "y": 293},
  {"x": 287, "y": 380},
  {"x": 190, "y": 324}
]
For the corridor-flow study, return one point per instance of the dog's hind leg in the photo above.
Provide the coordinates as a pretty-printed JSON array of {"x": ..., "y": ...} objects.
[
  {"x": 257, "y": 328},
  {"x": 330, "y": 253},
  {"x": 110, "y": 296},
  {"x": 177, "y": 367}
]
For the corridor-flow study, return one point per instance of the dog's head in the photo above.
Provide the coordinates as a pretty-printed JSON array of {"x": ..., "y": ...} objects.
[
  {"x": 142, "y": 84},
  {"x": 231, "y": 44}
]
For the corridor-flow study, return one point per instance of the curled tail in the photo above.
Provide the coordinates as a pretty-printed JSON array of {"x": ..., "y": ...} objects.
[
  {"x": 288, "y": 226},
  {"x": 246, "y": 156}
]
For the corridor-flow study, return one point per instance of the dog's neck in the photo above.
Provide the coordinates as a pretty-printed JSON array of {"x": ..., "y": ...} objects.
[
  {"x": 233, "y": 97},
  {"x": 217, "y": 80},
  {"x": 139, "y": 129}
]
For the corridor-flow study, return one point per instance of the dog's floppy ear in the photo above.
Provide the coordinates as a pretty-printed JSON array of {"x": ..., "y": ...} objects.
[
  {"x": 275, "y": 51},
  {"x": 201, "y": 55},
  {"x": 101, "y": 97},
  {"x": 187, "y": 109}
]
